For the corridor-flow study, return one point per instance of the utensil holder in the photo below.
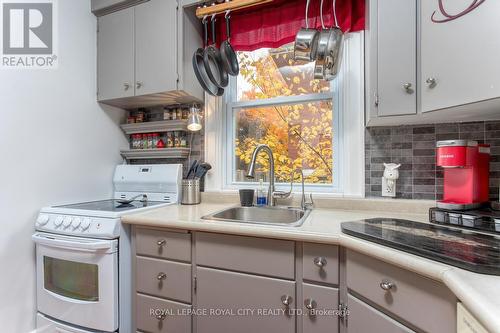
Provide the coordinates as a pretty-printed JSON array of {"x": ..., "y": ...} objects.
[{"x": 191, "y": 192}]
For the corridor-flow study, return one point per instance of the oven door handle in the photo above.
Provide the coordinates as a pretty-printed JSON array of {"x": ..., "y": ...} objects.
[{"x": 68, "y": 244}]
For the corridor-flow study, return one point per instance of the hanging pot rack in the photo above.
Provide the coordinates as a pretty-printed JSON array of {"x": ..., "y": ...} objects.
[{"x": 228, "y": 6}]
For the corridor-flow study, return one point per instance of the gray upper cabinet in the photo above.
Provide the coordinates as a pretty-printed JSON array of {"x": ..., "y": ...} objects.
[
  {"x": 143, "y": 54},
  {"x": 460, "y": 56},
  {"x": 115, "y": 56},
  {"x": 422, "y": 58},
  {"x": 396, "y": 58},
  {"x": 155, "y": 53}
]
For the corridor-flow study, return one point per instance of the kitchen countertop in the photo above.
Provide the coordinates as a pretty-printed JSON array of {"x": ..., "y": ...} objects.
[{"x": 479, "y": 293}]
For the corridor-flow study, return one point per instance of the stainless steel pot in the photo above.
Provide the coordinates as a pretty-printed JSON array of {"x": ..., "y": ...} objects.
[
  {"x": 306, "y": 41},
  {"x": 330, "y": 49}
]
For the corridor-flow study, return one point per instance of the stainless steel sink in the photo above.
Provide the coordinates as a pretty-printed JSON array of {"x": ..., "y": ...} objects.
[{"x": 282, "y": 216}]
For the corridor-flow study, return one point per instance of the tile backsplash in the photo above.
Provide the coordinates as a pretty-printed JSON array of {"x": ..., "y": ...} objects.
[{"x": 414, "y": 148}]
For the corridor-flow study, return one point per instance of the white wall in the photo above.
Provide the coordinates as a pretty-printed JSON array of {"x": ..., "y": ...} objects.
[{"x": 56, "y": 145}]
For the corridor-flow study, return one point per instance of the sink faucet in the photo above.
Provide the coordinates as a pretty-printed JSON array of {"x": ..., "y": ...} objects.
[
  {"x": 251, "y": 171},
  {"x": 272, "y": 194}
]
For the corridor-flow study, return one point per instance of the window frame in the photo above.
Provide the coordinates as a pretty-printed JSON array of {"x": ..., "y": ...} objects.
[{"x": 232, "y": 106}]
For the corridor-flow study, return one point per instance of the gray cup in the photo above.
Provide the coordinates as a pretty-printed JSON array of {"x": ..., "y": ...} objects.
[{"x": 246, "y": 197}]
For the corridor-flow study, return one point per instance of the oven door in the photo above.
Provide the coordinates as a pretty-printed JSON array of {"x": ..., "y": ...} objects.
[{"x": 77, "y": 280}]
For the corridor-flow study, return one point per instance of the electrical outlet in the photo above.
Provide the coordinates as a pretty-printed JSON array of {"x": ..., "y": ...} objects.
[{"x": 388, "y": 190}]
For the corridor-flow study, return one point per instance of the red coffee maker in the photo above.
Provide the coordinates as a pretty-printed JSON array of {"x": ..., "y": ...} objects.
[{"x": 466, "y": 173}]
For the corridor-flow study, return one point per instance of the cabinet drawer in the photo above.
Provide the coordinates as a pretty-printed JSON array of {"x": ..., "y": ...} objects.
[
  {"x": 323, "y": 317},
  {"x": 163, "y": 244},
  {"x": 246, "y": 254},
  {"x": 363, "y": 318},
  {"x": 155, "y": 315},
  {"x": 321, "y": 263},
  {"x": 164, "y": 278},
  {"x": 420, "y": 301},
  {"x": 233, "y": 292}
]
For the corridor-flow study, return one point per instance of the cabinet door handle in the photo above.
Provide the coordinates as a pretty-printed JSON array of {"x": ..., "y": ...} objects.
[
  {"x": 139, "y": 84},
  {"x": 310, "y": 304},
  {"x": 161, "y": 317},
  {"x": 408, "y": 87},
  {"x": 286, "y": 300},
  {"x": 320, "y": 262},
  {"x": 126, "y": 86},
  {"x": 387, "y": 285},
  {"x": 431, "y": 82},
  {"x": 161, "y": 276},
  {"x": 161, "y": 242}
]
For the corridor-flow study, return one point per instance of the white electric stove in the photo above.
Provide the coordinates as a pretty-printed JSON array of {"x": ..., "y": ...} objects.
[{"x": 83, "y": 253}]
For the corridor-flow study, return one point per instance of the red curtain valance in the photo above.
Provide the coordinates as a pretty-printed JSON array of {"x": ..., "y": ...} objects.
[{"x": 275, "y": 24}]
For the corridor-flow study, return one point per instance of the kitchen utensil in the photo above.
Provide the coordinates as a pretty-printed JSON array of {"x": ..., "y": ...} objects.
[
  {"x": 213, "y": 61},
  {"x": 246, "y": 197},
  {"x": 191, "y": 169},
  {"x": 191, "y": 192},
  {"x": 128, "y": 201},
  {"x": 306, "y": 41},
  {"x": 330, "y": 48},
  {"x": 229, "y": 57},
  {"x": 199, "y": 66},
  {"x": 202, "y": 170}
]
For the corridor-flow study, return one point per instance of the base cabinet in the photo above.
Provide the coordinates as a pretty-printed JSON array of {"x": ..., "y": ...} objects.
[
  {"x": 194, "y": 282},
  {"x": 363, "y": 318},
  {"x": 243, "y": 303}
]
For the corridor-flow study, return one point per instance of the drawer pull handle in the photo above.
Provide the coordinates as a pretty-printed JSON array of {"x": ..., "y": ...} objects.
[
  {"x": 161, "y": 316},
  {"x": 386, "y": 285},
  {"x": 320, "y": 262},
  {"x": 161, "y": 242},
  {"x": 161, "y": 276},
  {"x": 310, "y": 304},
  {"x": 286, "y": 300}
]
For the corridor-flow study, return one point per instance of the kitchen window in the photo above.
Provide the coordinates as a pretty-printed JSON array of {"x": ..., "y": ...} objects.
[
  {"x": 276, "y": 101},
  {"x": 314, "y": 125}
]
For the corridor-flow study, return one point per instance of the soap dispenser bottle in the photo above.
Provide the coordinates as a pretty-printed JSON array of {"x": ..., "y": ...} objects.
[{"x": 261, "y": 194}]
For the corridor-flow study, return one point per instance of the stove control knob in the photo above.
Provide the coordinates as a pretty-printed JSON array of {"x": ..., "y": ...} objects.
[
  {"x": 58, "y": 221},
  {"x": 42, "y": 219},
  {"x": 85, "y": 223},
  {"x": 67, "y": 221},
  {"x": 76, "y": 223}
]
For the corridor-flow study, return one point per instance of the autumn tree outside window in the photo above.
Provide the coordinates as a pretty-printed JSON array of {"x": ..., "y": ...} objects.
[{"x": 277, "y": 101}]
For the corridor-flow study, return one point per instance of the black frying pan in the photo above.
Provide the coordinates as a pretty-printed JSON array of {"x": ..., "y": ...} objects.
[
  {"x": 229, "y": 57},
  {"x": 199, "y": 67},
  {"x": 213, "y": 62}
]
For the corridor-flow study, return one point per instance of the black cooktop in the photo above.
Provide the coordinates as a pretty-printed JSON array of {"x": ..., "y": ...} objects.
[
  {"x": 469, "y": 250},
  {"x": 111, "y": 205}
]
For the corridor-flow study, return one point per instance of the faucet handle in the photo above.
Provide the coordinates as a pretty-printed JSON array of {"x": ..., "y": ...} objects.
[
  {"x": 309, "y": 204},
  {"x": 281, "y": 194}
]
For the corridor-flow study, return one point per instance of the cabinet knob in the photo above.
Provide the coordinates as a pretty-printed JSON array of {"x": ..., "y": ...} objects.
[
  {"x": 320, "y": 262},
  {"x": 139, "y": 84},
  {"x": 161, "y": 276},
  {"x": 408, "y": 88},
  {"x": 387, "y": 285},
  {"x": 161, "y": 316},
  {"x": 431, "y": 82},
  {"x": 126, "y": 86},
  {"x": 286, "y": 300},
  {"x": 161, "y": 242},
  {"x": 310, "y": 304}
]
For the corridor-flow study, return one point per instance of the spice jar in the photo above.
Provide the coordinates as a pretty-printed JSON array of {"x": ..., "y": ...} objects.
[
  {"x": 170, "y": 139},
  {"x": 183, "y": 140},
  {"x": 177, "y": 139},
  {"x": 144, "y": 141},
  {"x": 155, "y": 140},
  {"x": 166, "y": 114},
  {"x": 185, "y": 113},
  {"x": 179, "y": 113},
  {"x": 140, "y": 115}
]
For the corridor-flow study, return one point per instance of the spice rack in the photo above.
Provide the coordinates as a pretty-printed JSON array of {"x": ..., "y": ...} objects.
[
  {"x": 156, "y": 153},
  {"x": 155, "y": 126}
]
